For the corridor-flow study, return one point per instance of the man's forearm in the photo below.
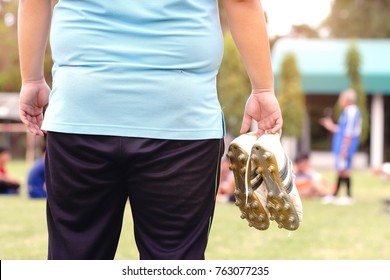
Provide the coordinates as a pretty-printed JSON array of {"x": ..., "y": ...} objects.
[
  {"x": 34, "y": 18},
  {"x": 248, "y": 27}
]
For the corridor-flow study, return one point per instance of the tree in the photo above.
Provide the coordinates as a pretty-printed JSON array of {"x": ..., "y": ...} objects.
[
  {"x": 304, "y": 31},
  {"x": 9, "y": 58},
  {"x": 291, "y": 97},
  {"x": 10, "y": 80},
  {"x": 292, "y": 103},
  {"x": 359, "y": 19},
  {"x": 353, "y": 63},
  {"x": 233, "y": 86}
]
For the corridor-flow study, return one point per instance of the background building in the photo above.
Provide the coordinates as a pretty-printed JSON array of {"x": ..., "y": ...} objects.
[{"x": 322, "y": 66}]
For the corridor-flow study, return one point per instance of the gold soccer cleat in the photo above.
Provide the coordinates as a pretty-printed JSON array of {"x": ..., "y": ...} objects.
[
  {"x": 252, "y": 208},
  {"x": 271, "y": 163}
]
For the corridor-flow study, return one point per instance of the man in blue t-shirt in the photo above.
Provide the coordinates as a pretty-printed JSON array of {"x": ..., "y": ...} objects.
[
  {"x": 133, "y": 114},
  {"x": 345, "y": 142}
]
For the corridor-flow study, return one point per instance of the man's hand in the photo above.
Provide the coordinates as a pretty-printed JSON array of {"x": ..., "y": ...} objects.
[
  {"x": 263, "y": 107},
  {"x": 328, "y": 123},
  {"x": 34, "y": 97}
]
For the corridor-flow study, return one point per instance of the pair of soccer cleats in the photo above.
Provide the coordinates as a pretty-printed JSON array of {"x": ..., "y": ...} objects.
[{"x": 264, "y": 179}]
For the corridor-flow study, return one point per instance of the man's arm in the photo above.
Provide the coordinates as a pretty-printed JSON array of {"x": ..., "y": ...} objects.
[
  {"x": 34, "y": 17},
  {"x": 329, "y": 124},
  {"x": 248, "y": 27}
]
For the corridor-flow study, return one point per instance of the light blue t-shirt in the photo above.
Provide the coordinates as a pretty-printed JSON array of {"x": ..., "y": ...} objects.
[{"x": 136, "y": 68}]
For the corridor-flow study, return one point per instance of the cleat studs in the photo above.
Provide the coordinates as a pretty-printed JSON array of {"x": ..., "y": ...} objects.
[
  {"x": 238, "y": 202},
  {"x": 251, "y": 217},
  {"x": 241, "y": 158},
  {"x": 267, "y": 155},
  {"x": 251, "y": 224},
  {"x": 259, "y": 170},
  {"x": 280, "y": 225},
  {"x": 271, "y": 194},
  {"x": 255, "y": 205},
  {"x": 287, "y": 206},
  {"x": 291, "y": 219},
  {"x": 271, "y": 168},
  {"x": 281, "y": 195},
  {"x": 281, "y": 217},
  {"x": 272, "y": 218},
  {"x": 277, "y": 208},
  {"x": 263, "y": 226},
  {"x": 237, "y": 192},
  {"x": 269, "y": 205},
  {"x": 261, "y": 217},
  {"x": 243, "y": 216}
]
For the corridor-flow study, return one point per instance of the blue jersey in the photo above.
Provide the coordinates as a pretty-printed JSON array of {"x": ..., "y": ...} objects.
[
  {"x": 349, "y": 125},
  {"x": 36, "y": 180},
  {"x": 136, "y": 68}
]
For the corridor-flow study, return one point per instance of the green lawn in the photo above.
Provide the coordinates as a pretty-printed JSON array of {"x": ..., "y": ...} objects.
[{"x": 359, "y": 231}]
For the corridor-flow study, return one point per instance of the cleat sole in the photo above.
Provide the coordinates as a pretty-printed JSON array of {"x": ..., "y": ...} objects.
[
  {"x": 253, "y": 211},
  {"x": 278, "y": 201}
]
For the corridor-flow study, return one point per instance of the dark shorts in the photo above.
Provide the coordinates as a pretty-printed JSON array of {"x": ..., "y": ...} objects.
[
  {"x": 171, "y": 186},
  {"x": 9, "y": 188}
]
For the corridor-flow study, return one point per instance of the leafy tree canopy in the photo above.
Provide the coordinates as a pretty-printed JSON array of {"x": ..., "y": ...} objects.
[
  {"x": 233, "y": 86},
  {"x": 359, "y": 19}
]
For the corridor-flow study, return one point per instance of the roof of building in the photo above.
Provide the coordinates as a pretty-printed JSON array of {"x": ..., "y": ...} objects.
[
  {"x": 322, "y": 63},
  {"x": 9, "y": 106}
]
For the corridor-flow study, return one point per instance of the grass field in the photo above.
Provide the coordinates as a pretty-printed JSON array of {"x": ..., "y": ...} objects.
[{"x": 357, "y": 232}]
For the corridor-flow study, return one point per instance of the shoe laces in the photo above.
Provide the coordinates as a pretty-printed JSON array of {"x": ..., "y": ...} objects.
[{"x": 247, "y": 178}]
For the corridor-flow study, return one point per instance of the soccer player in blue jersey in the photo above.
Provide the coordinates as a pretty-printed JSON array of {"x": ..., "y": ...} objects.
[
  {"x": 345, "y": 142},
  {"x": 36, "y": 177},
  {"x": 133, "y": 114}
]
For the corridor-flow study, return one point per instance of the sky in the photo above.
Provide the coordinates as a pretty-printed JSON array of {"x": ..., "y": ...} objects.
[{"x": 282, "y": 14}]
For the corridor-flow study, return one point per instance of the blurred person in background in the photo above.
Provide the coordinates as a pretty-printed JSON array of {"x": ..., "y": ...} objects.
[
  {"x": 309, "y": 182},
  {"x": 345, "y": 142},
  {"x": 383, "y": 171},
  {"x": 384, "y": 174},
  {"x": 8, "y": 184},
  {"x": 226, "y": 183},
  {"x": 36, "y": 177}
]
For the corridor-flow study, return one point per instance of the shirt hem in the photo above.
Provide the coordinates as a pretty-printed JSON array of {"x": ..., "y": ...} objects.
[{"x": 167, "y": 134}]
